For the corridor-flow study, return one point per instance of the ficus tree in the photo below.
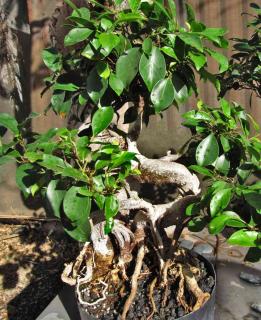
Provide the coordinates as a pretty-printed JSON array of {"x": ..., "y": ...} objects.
[{"x": 130, "y": 60}]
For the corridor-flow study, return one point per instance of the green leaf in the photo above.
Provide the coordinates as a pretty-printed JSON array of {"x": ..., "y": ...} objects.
[
  {"x": 198, "y": 59},
  {"x": 71, "y": 4},
  {"x": 225, "y": 105},
  {"x": 92, "y": 50},
  {"x": 190, "y": 13},
  {"x": 118, "y": 2},
  {"x": 52, "y": 59},
  {"x": 103, "y": 69},
  {"x": 127, "y": 66},
  {"x": 225, "y": 143},
  {"x": 192, "y": 40},
  {"x": 100, "y": 164},
  {"x": 108, "y": 225},
  {"x": 85, "y": 192},
  {"x": 160, "y": 6},
  {"x": 152, "y": 67},
  {"x": 220, "y": 58},
  {"x": 162, "y": 94},
  {"x": 83, "y": 13},
  {"x": 71, "y": 87},
  {"x": 121, "y": 158},
  {"x": 98, "y": 183},
  {"x": 134, "y": 4},
  {"x": 147, "y": 45},
  {"x": 100, "y": 200},
  {"x": 169, "y": 52},
  {"x": 173, "y": 10},
  {"x": 77, "y": 209},
  {"x": 253, "y": 198},
  {"x": 74, "y": 174},
  {"x": 96, "y": 86},
  {"x": 53, "y": 163},
  {"x": 214, "y": 34},
  {"x": 130, "y": 17},
  {"x": 123, "y": 46},
  {"x": 193, "y": 209},
  {"x": 106, "y": 24},
  {"x": 181, "y": 93},
  {"x": 77, "y": 35},
  {"x": 197, "y": 224},
  {"x": 207, "y": 151},
  {"x": 101, "y": 119},
  {"x": 205, "y": 75},
  {"x": 55, "y": 195},
  {"x": 24, "y": 172},
  {"x": 227, "y": 218},
  {"x": 116, "y": 84},
  {"x": 111, "y": 206},
  {"x": 220, "y": 201},
  {"x": 57, "y": 99},
  {"x": 82, "y": 147},
  {"x": 217, "y": 224},
  {"x": 9, "y": 122},
  {"x": 33, "y": 156},
  {"x": 108, "y": 42},
  {"x": 222, "y": 164},
  {"x": 202, "y": 170},
  {"x": 244, "y": 238}
]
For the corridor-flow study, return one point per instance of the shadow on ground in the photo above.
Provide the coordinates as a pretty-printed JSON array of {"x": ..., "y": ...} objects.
[{"x": 32, "y": 258}]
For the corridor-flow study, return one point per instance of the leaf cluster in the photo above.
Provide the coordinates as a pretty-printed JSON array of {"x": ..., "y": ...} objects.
[
  {"x": 228, "y": 157},
  {"x": 65, "y": 168},
  {"x": 244, "y": 70}
]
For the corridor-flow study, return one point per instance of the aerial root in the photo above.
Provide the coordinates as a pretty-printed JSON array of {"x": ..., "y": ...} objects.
[
  {"x": 134, "y": 282},
  {"x": 192, "y": 285},
  {"x": 151, "y": 290}
]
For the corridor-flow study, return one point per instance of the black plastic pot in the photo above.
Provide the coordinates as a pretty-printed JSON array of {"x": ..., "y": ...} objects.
[{"x": 206, "y": 312}]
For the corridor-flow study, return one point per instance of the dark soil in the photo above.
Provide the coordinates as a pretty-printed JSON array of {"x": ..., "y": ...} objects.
[{"x": 111, "y": 308}]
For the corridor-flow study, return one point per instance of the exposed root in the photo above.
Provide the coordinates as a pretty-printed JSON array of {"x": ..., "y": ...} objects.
[
  {"x": 66, "y": 275},
  {"x": 134, "y": 282},
  {"x": 164, "y": 273},
  {"x": 151, "y": 290},
  {"x": 72, "y": 269},
  {"x": 181, "y": 290},
  {"x": 79, "y": 293},
  {"x": 192, "y": 285}
]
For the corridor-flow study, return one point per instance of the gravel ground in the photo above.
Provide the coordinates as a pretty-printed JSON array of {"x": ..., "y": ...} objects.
[{"x": 31, "y": 260}]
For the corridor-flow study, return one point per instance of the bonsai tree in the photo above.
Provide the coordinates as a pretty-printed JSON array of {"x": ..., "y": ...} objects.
[{"x": 129, "y": 60}]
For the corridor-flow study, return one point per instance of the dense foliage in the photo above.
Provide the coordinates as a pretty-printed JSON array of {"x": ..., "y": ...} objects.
[
  {"x": 244, "y": 68},
  {"x": 139, "y": 55}
]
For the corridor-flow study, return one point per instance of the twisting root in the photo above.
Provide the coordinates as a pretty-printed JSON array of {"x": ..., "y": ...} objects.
[
  {"x": 151, "y": 290},
  {"x": 134, "y": 282},
  {"x": 181, "y": 290},
  {"x": 192, "y": 285},
  {"x": 164, "y": 273},
  {"x": 71, "y": 270}
]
